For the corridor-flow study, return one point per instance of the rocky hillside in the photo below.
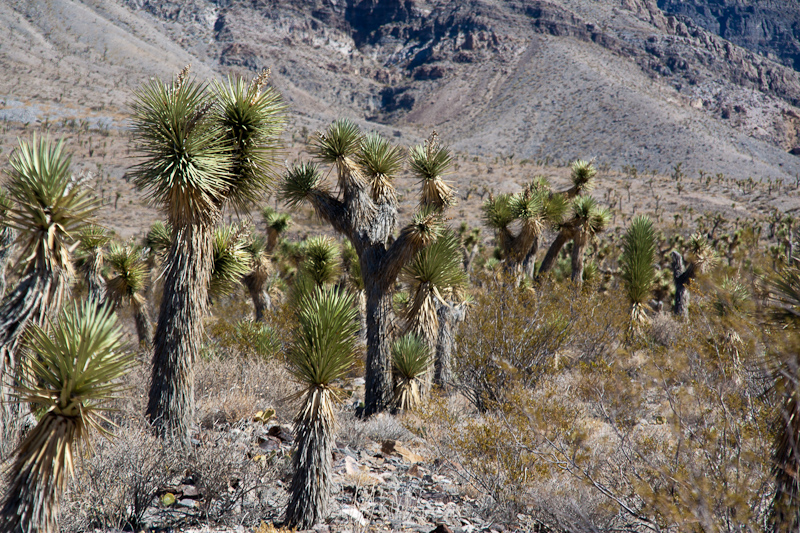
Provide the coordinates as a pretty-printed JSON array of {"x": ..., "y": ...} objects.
[
  {"x": 771, "y": 28},
  {"x": 617, "y": 80}
]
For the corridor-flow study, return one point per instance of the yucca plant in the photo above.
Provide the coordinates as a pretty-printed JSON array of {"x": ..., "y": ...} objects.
[
  {"x": 256, "y": 280},
  {"x": 322, "y": 260},
  {"x": 201, "y": 151},
  {"x": 367, "y": 217},
  {"x": 127, "y": 285},
  {"x": 435, "y": 278},
  {"x": 48, "y": 210},
  {"x": 321, "y": 353},
  {"x": 700, "y": 258},
  {"x": 784, "y": 291},
  {"x": 637, "y": 265},
  {"x": 7, "y": 238},
  {"x": 231, "y": 259},
  {"x": 411, "y": 359},
  {"x": 71, "y": 372},
  {"x": 586, "y": 220},
  {"x": 92, "y": 242},
  {"x": 277, "y": 223}
]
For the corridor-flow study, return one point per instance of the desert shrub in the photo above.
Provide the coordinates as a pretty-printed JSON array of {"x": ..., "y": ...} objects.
[
  {"x": 667, "y": 434},
  {"x": 515, "y": 335}
]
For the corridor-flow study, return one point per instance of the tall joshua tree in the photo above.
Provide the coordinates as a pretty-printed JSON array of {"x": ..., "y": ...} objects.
[
  {"x": 365, "y": 211},
  {"x": 72, "y": 372},
  {"x": 638, "y": 270},
  {"x": 276, "y": 223},
  {"x": 321, "y": 352},
  {"x": 202, "y": 150},
  {"x": 48, "y": 210},
  {"x": 256, "y": 280},
  {"x": 126, "y": 287}
]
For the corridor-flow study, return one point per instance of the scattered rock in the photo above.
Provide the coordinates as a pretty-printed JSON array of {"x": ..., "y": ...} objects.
[
  {"x": 395, "y": 447},
  {"x": 442, "y": 528}
]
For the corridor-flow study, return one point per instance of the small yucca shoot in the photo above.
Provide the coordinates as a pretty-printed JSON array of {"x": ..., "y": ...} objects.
[
  {"x": 321, "y": 352},
  {"x": 70, "y": 373},
  {"x": 638, "y": 270},
  {"x": 411, "y": 358}
]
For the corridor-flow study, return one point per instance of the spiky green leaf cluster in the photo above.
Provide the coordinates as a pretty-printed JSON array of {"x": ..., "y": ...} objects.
[
  {"x": 582, "y": 175},
  {"x": 298, "y": 183},
  {"x": 231, "y": 259},
  {"x": 276, "y": 221},
  {"x": 638, "y": 258},
  {"x": 252, "y": 120},
  {"x": 159, "y": 238},
  {"x": 438, "y": 265},
  {"x": 129, "y": 273},
  {"x": 425, "y": 226},
  {"x": 49, "y": 208},
  {"x": 498, "y": 212},
  {"x": 322, "y": 260},
  {"x": 430, "y": 161},
  {"x": 732, "y": 298},
  {"x": 377, "y": 157},
  {"x": 589, "y": 215},
  {"x": 322, "y": 349},
  {"x": 93, "y": 236},
  {"x": 340, "y": 140},
  {"x": 187, "y": 165},
  {"x": 411, "y": 356},
  {"x": 75, "y": 367}
]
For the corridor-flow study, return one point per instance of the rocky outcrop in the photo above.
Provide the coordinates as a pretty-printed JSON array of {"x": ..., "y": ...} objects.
[{"x": 771, "y": 28}]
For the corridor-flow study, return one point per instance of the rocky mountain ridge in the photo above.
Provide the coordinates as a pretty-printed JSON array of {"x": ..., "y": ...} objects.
[{"x": 618, "y": 80}]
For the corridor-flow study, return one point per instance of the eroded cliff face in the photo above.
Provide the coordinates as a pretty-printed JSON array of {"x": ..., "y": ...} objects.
[{"x": 770, "y": 27}]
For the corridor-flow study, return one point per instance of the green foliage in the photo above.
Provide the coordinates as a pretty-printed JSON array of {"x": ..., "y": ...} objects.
[
  {"x": 582, "y": 175},
  {"x": 278, "y": 222},
  {"x": 49, "y": 208},
  {"x": 411, "y": 359},
  {"x": 299, "y": 181},
  {"x": 378, "y": 157},
  {"x": 231, "y": 259},
  {"x": 159, "y": 238},
  {"x": 438, "y": 266},
  {"x": 252, "y": 120},
  {"x": 340, "y": 140},
  {"x": 430, "y": 162},
  {"x": 321, "y": 351},
  {"x": 130, "y": 273},
  {"x": 187, "y": 165},
  {"x": 638, "y": 259},
  {"x": 498, "y": 212},
  {"x": 322, "y": 262}
]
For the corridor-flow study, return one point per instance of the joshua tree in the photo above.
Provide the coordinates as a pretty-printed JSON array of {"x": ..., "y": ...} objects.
[
  {"x": 93, "y": 240},
  {"x": 411, "y": 359},
  {"x": 638, "y": 270},
  {"x": 322, "y": 351},
  {"x": 48, "y": 209},
  {"x": 434, "y": 278},
  {"x": 701, "y": 257},
  {"x": 276, "y": 223},
  {"x": 785, "y": 512},
  {"x": 127, "y": 285},
  {"x": 587, "y": 220},
  {"x": 365, "y": 212},
  {"x": 256, "y": 280},
  {"x": 6, "y": 239},
  {"x": 201, "y": 152},
  {"x": 70, "y": 374}
]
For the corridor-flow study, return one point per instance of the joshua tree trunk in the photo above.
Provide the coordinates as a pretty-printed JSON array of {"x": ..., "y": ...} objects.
[
  {"x": 95, "y": 284},
  {"x": 258, "y": 293},
  {"x": 578, "y": 246},
  {"x": 550, "y": 257},
  {"x": 529, "y": 263},
  {"x": 378, "y": 379},
  {"x": 311, "y": 483},
  {"x": 28, "y": 303},
  {"x": 449, "y": 316},
  {"x": 7, "y": 236},
  {"x": 179, "y": 332},
  {"x": 681, "y": 276},
  {"x": 144, "y": 326}
]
